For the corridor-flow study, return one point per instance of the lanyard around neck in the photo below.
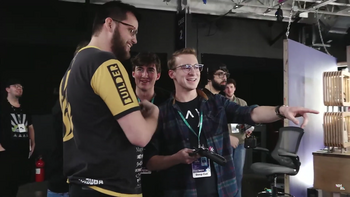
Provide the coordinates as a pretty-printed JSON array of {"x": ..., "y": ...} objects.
[
  {"x": 140, "y": 100},
  {"x": 200, "y": 127}
]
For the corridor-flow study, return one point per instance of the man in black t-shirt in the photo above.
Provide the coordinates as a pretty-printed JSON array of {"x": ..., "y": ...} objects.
[
  {"x": 207, "y": 184},
  {"x": 16, "y": 140},
  {"x": 146, "y": 70},
  {"x": 104, "y": 124}
]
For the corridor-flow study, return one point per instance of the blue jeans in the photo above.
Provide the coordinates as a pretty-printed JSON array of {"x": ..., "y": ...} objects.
[
  {"x": 53, "y": 194},
  {"x": 238, "y": 160}
]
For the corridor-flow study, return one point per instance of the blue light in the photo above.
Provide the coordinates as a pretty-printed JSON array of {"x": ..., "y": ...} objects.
[{"x": 205, "y": 1}]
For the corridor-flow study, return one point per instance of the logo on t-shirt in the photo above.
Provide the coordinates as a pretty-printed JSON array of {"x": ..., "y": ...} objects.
[
  {"x": 139, "y": 164},
  {"x": 19, "y": 125},
  {"x": 191, "y": 114},
  {"x": 88, "y": 181},
  {"x": 120, "y": 84}
]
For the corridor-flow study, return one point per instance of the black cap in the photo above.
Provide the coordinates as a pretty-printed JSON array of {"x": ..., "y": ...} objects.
[
  {"x": 12, "y": 82},
  {"x": 212, "y": 67}
]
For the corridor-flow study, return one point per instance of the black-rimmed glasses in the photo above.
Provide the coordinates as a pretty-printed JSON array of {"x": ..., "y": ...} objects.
[
  {"x": 133, "y": 31},
  {"x": 222, "y": 74}
]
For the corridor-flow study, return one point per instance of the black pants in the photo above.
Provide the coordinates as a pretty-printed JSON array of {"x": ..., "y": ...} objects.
[
  {"x": 151, "y": 185},
  {"x": 84, "y": 191},
  {"x": 13, "y": 173}
]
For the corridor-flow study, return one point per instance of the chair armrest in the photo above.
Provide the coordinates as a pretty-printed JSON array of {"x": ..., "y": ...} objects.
[
  {"x": 287, "y": 154},
  {"x": 292, "y": 156},
  {"x": 261, "y": 149}
]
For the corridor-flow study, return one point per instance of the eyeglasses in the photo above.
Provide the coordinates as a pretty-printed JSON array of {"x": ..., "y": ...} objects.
[
  {"x": 222, "y": 74},
  {"x": 133, "y": 31},
  {"x": 18, "y": 86},
  {"x": 188, "y": 67}
]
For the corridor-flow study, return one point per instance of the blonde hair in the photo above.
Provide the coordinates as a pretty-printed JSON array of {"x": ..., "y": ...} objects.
[{"x": 187, "y": 51}]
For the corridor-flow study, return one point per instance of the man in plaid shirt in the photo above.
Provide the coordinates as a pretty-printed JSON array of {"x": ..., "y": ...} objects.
[{"x": 191, "y": 119}]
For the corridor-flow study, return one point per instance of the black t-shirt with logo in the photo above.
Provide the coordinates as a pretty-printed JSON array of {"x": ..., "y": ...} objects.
[
  {"x": 94, "y": 93},
  {"x": 151, "y": 185},
  {"x": 206, "y": 186},
  {"x": 14, "y": 134}
]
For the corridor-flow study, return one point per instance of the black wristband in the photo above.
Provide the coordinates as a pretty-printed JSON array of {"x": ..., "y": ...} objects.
[{"x": 277, "y": 110}]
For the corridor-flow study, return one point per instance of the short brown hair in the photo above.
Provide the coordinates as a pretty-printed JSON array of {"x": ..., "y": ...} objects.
[
  {"x": 114, "y": 9},
  {"x": 188, "y": 51},
  {"x": 230, "y": 80},
  {"x": 146, "y": 59}
]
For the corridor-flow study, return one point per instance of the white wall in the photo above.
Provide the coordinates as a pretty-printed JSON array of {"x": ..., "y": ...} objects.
[{"x": 305, "y": 88}]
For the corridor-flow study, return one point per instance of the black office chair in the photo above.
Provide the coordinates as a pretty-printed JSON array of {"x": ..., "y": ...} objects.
[{"x": 284, "y": 154}]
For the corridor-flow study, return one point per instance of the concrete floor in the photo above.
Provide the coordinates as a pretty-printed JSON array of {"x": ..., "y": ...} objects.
[{"x": 252, "y": 184}]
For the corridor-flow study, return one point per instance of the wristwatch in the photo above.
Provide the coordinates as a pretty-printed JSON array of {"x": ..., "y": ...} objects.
[{"x": 277, "y": 110}]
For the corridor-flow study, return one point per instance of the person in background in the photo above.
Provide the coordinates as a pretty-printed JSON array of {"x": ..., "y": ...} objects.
[
  {"x": 240, "y": 134},
  {"x": 17, "y": 140},
  {"x": 217, "y": 75},
  {"x": 146, "y": 70},
  {"x": 57, "y": 185}
]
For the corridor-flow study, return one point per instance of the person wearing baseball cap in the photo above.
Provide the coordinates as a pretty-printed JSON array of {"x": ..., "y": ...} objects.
[
  {"x": 217, "y": 74},
  {"x": 16, "y": 139}
]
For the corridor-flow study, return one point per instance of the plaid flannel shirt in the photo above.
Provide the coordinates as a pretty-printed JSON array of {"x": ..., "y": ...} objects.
[{"x": 172, "y": 135}]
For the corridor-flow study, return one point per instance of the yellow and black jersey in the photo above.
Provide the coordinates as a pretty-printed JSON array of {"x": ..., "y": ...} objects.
[{"x": 94, "y": 92}]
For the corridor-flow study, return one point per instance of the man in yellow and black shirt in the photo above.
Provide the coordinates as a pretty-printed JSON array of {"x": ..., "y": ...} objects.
[{"x": 105, "y": 129}]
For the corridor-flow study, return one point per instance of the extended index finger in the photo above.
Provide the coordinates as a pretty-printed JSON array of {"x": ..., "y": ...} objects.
[{"x": 306, "y": 110}]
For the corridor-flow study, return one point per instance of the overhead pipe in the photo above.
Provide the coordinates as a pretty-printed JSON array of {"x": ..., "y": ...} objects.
[{"x": 299, "y": 9}]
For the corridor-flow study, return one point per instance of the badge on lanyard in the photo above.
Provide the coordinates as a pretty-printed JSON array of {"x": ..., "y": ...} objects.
[
  {"x": 201, "y": 168},
  {"x": 233, "y": 128},
  {"x": 145, "y": 171}
]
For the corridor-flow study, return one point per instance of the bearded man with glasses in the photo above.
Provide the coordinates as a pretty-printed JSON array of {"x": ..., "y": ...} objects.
[
  {"x": 102, "y": 145},
  {"x": 192, "y": 120},
  {"x": 217, "y": 75}
]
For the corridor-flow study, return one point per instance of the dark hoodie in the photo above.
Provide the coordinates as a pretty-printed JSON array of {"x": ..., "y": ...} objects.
[{"x": 57, "y": 182}]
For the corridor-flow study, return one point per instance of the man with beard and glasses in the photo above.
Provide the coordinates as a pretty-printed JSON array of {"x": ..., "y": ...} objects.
[
  {"x": 102, "y": 145},
  {"x": 217, "y": 75},
  {"x": 146, "y": 70},
  {"x": 192, "y": 119},
  {"x": 16, "y": 140}
]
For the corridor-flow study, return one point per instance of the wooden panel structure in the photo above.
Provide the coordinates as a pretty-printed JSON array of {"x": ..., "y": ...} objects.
[
  {"x": 336, "y": 127},
  {"x": 348, "y": 56},
  {"x": 331, "y": 166},
  {"x": 336, "y": 88},
  {"x": 285, "y": 99}
]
